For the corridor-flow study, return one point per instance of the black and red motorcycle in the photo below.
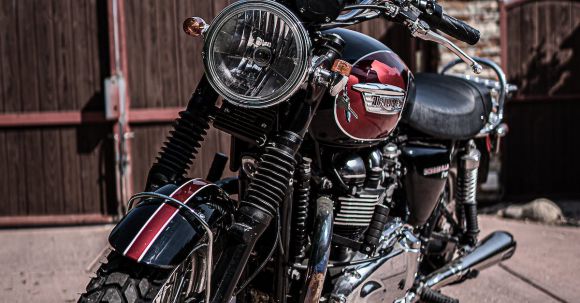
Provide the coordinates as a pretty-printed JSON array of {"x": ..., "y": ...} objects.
[{"x": 356, "y": 179}]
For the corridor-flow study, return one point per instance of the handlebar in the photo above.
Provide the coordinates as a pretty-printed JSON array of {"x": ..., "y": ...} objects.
[
  {"x": 453, "y": 27},
  {"x": 433, "y": 14},
  {"x": 428, "y": 11},
  {"x": 420, "y": 16}
]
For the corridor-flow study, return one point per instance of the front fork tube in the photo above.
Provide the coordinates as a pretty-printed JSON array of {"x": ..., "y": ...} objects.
[
  {"x": 242, "y": 236},
  {"x": 266, "y": 191},
  {"x": 467, "y": 190},
  {"x": 269, "y": 186}
]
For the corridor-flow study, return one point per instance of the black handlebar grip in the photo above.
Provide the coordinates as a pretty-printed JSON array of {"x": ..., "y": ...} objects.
[{"x": 453, "y": 27}]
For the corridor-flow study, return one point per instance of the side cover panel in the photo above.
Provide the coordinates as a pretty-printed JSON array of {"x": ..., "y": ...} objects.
[
  {"x": 162, "y": 234},
  {"x": 428, "y": 169}
]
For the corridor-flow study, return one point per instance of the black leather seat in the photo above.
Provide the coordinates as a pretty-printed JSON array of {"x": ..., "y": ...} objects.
[{"x": 447, "y": 107}]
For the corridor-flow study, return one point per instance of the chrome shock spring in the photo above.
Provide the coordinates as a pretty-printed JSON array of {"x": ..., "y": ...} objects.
[
  {"x": 300, "y": 207},
  {"x": 467, "y": 187},
  {"x": 467, "y": 190}
]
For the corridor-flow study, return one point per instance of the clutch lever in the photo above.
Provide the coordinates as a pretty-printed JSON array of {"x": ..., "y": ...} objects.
[{"x": 420, "y": 29}]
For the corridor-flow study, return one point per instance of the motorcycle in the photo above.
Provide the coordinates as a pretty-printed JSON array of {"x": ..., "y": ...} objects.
[{"x": 356, "y": 179}]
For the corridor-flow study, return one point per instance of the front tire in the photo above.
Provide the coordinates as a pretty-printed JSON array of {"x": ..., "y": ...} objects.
[{"x": 122, "y": 280}]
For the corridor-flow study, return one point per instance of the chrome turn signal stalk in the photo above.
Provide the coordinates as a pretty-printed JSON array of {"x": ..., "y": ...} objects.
[{"x": 336, "y": 78}]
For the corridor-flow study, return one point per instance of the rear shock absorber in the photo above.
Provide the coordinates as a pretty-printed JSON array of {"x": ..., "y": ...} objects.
[
  {"x": 467, "y": 190},
  {"x": 181, "y": 146},
  {"x": 300, "y": 207}
]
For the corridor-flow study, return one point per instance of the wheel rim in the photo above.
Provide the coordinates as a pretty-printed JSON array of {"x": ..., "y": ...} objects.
[{"x": 185, "y": 282}]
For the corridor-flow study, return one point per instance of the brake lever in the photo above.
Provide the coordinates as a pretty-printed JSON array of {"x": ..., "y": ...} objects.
[{"x": 420, "y": 30}]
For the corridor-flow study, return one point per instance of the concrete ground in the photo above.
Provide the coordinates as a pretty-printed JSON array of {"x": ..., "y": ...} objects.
[
  {"x": 545, "y": 267},
  {"x": 50, "y": 265}
]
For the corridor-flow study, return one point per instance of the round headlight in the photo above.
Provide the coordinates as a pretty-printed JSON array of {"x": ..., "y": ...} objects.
[{"x": 256, "y": 53}]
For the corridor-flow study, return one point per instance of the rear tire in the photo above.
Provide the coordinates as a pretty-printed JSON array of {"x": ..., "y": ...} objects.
[{"x": 122, "y": 280}]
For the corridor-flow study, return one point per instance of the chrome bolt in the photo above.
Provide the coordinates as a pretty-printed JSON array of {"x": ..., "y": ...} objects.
[{"x": 326, "y": 183}]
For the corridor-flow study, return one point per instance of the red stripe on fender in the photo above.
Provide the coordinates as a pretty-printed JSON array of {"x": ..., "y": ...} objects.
[{"x": 161, "y": 218}]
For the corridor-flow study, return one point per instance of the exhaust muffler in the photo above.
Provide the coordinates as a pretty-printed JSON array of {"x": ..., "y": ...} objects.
[{"x": 496, "y": 247}]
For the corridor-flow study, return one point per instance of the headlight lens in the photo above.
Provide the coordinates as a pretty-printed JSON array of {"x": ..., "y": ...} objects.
[{"x": 257, "y": 53}]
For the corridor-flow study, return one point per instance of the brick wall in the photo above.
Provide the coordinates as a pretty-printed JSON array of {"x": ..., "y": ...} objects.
[{"x": 481, "y": 14}]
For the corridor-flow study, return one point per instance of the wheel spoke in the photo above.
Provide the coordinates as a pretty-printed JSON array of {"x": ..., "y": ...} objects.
[{"x": 177, "y": 287}]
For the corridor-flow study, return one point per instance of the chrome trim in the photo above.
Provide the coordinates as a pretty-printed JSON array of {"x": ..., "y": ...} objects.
[
  {"x": 379, "y": 89},
  {"x": 339, "y": 264},
  {"x": 353, "y": 176},
  {"x": 304, "y": 48},
  {"x": 338, "y": 85},
  {"x": 369, "y": 141},
  {"x": 321, "y": 75},
  {"x": 496, "y": 247},
  {"x": 501, "y": 86},
  {"x": 418, "y": 30},
  {"x": 249, "y": 166},
  {"x": 502, "y": 130},
  {"x": 319, "y": 251},
  {"x": 357, "y": 209},
  {"x": 398, "y": 260},
  {"x": 206, "y": 227},
  {"x": 381, "y": 99},
  {"x": 354, "y": 13},
  {"x": 199, "y": 281},
  {"x": 353, "y": 201}
]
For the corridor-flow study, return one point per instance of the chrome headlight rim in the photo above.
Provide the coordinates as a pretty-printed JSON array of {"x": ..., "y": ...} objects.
[{"x": 303, "y": 46}]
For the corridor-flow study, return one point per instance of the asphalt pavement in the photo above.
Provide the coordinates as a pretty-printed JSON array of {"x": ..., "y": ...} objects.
[{"x": 52, "y": 264}]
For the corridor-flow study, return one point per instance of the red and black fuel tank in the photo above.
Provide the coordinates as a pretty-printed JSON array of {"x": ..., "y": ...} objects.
[{"x": 377, "y": 91}]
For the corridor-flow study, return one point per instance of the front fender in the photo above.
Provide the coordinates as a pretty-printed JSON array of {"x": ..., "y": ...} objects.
[{"x": 163, "y": 235}]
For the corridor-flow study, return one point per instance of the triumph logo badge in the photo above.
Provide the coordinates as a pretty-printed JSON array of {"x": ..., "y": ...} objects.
[
  {"x": 380, "y": 98},
  {"x": 435, "y": 170}
]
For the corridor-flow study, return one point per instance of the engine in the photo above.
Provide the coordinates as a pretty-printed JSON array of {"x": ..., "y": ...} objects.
[
  {"x": 368, "y": 180},
  {"x": 363, "y": 228}
]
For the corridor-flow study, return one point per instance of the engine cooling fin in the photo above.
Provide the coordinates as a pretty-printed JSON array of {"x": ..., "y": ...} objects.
[
  {"x": 356, "y": 210},
  {"x": 354, "y": 213}
]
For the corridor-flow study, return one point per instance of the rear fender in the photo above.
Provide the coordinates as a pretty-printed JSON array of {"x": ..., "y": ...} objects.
[{"x": 162, "y": 234}]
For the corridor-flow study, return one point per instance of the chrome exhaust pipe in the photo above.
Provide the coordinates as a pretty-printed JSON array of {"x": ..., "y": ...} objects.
[{"x": 496, "y": 247}]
